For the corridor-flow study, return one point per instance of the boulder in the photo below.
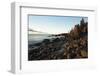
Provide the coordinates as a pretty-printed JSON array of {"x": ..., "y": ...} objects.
[{"x": 46, "y": 41}]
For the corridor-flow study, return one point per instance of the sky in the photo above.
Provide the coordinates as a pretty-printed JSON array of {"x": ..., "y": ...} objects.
[{"x": 54, "y": 24}]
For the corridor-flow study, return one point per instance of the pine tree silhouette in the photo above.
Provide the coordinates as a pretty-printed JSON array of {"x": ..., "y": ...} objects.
[{"x": 82, "y": 22}]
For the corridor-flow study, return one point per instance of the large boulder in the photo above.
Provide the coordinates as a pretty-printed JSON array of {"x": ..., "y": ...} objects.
[
  {"x": 56, "y": 40},
  {"x": 46, "y": 41}
]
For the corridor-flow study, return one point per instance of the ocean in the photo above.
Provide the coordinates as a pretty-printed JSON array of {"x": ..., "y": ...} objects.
[{"x": 36, "y": 38}]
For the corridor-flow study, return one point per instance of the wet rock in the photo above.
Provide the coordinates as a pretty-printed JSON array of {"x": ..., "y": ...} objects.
[
  {"x": 56, "y": 40},
  {"x": 46, "y": 41},
  {"x": 37, "y": 44}
]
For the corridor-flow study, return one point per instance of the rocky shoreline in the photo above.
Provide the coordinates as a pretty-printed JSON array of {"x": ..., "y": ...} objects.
[{"x": 72, "y": 45}]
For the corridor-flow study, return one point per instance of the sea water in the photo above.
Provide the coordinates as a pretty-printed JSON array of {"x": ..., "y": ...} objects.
[{"x": 36, "y": 38}]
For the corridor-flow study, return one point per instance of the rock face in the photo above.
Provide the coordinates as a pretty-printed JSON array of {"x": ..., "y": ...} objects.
[{"x": 72, "y": 45}]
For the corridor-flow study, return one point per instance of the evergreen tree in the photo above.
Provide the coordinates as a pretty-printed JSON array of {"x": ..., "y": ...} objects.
[{"x": 82, "y": 22}]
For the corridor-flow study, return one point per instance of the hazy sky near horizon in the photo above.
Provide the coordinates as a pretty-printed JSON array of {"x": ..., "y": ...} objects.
[{"x": 54, "y": 24}]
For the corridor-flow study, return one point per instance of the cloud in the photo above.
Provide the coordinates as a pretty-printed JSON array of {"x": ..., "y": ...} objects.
[
  {"x": 31, "y": 30},
  {"x": 34, "y": 31}
]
